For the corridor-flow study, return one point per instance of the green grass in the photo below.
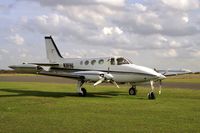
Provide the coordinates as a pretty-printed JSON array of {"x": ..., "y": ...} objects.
[
  {"x": 42, "y": 107},
  {"x": 187, "y": 78},
  {"x": 182, "y": 80},
  {"x": 16, "y": 74}
]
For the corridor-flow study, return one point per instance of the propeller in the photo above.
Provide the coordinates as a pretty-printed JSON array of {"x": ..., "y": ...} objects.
[{"x": 106, "y": 77}]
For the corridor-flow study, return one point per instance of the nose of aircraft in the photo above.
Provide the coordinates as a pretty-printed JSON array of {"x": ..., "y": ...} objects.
[
  {"x": 154, "y": 74},
  {"x": 149, "y": 73}
]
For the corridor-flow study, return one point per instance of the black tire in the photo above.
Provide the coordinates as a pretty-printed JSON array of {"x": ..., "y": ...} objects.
[
  {"x": 132, "y": 91},
  {"x": 151, "y": 96},
  {"x": 84, "y": 92}
]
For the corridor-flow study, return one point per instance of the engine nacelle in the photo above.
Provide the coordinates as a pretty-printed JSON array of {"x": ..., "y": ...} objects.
[{"x": 94, "y": 75}]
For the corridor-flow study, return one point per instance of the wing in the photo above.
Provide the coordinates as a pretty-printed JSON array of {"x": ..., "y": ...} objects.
[
  {"x": 173, "y": 72},
  {"x": 61, "y": 74},
  {"x": 38, "y": 68},
  {"x": 86, "y": 75}
]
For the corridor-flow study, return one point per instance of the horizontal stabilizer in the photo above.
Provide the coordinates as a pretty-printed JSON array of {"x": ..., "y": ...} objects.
[
  {"x": 27, "y": 68},
  {"x": 44, "y": 64}
]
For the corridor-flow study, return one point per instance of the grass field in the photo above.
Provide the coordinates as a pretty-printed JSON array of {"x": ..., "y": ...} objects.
[
  {"x": 16, "y": 74},
  {"x": 43, "y": 107},
  {"x": 187, "y": 78}
]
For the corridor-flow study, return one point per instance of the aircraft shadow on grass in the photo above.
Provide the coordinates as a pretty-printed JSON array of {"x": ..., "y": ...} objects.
[{"x": 24, "y": 93}]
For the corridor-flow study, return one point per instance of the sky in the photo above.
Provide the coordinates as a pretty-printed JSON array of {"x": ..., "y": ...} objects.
[{"x": 162, "y": 34}]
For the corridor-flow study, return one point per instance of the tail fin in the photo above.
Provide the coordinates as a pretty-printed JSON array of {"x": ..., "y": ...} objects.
[{"x": 53, "y": 53}]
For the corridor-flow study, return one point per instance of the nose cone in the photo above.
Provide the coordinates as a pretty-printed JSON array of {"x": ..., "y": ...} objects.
[{"x": 152, "y": 75}]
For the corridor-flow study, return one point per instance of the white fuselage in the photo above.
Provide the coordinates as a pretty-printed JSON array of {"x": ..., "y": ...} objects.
[{"x": 121, "y": 73}]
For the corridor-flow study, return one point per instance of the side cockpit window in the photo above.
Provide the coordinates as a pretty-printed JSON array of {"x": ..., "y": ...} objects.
[
  {"x": 121, "y": 61},
  {"x": 112, "y": 61}
]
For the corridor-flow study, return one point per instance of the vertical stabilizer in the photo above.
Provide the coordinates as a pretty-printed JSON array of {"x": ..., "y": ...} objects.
[{"x": 53, "y": 54}]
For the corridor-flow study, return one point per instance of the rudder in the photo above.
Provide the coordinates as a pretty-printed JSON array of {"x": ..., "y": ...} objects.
[{"x": 52, "y": 51}]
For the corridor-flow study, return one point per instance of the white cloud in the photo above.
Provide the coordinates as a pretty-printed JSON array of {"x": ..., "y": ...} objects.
[
  {"x": 52, "y": 20},
  {"x": 157, "y": 26},
  {"x": 118, "y": 30},
  {"x": 24, "y": 19},
  {"x": 4, "y": 51},
  {"x": 42, "y": 19},
  {"x": 107, "y": 30},
  {"x": 97, "y": 27},
  {"x": 174, "y": 44},
  {"x": 16, "y": 39},
  {"x": 112, "y": 30},
  {"x": 182, "y": 4},
  {"x": 120, "y": 52},
  {"x": 112, "y": 2},
  {"x": 170, "y": 53},
  {"x": 163, "y": 39},
  {"x": 185, "y": 19},
  {"x": 23, "y": 55},
  {"x": 196, "y": 54},
  {"x": 140, "y": 7}
]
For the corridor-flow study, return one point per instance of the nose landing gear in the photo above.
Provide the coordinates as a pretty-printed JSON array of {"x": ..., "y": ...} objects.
[
  {"x": 151, "y": 94},
  {"x": 133, "y": 91}
]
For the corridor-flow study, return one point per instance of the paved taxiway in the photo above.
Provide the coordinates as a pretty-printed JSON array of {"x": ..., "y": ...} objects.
[{"x": 49, "y": 79}]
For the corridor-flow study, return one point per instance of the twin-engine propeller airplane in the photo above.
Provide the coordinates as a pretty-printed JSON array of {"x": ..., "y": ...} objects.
[{"x": 114, "y": 70}]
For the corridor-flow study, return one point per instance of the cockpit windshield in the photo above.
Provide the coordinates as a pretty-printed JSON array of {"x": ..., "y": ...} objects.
[{"x": 122, "y": 60}]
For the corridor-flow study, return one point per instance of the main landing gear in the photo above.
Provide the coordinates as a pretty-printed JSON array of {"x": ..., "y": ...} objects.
[
  {"x": 81, "y": 91},
  {"x": 151, "y": 95}
]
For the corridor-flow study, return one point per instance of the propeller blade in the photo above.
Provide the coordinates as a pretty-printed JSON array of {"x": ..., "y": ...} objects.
[
  {"x": 160, "y": 86},
  {"x": 152, "y": 84},
  {"x": 106, "y": 77},
  {"x": 113, "y": 82},
  {"x": 99, "y": 81}
]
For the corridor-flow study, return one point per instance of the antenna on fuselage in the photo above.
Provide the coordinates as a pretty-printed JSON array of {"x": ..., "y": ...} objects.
[
  {"x": 108, "y": 65},
  {"x": 108, "y": 70}
]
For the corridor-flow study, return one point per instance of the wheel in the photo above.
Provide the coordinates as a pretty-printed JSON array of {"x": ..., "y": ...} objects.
[
  {"x": 132, "y": 91},
  {"x": 151, "y": 95},
  {"x": 84, "y": 92}
]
